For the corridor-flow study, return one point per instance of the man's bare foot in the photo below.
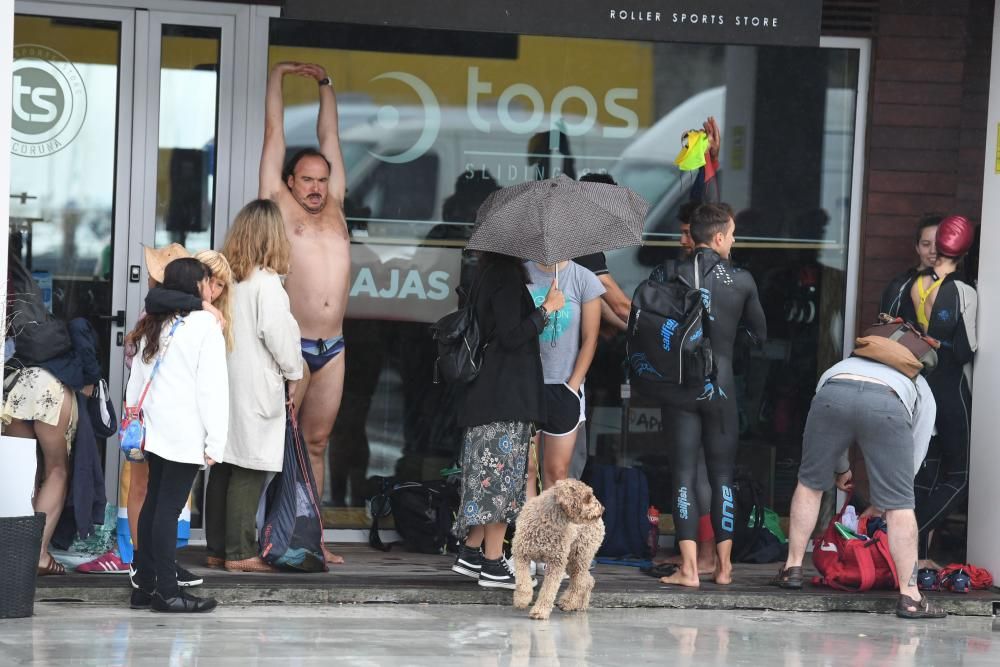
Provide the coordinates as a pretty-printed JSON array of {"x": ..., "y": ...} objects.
[
  {"x": 706, "y": 567},
  {"x": 723, "y": 576},
  {"x": 332, "y": 558},
  {"x": 680, "y": 578},
  {"x": 927, "y": 563}
]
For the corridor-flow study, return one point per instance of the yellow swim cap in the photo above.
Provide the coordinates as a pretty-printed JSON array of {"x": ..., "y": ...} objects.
[{"x": 692, "y": 155}]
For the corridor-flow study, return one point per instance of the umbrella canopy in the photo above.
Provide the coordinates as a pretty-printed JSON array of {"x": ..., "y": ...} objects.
[{"x": 558, "y": 219}]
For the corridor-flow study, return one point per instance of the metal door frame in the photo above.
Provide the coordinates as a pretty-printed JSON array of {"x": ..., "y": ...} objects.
[{"x": 121, "y": 211}]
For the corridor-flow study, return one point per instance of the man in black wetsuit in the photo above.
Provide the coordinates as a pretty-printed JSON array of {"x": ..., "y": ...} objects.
[{"x": 694, "y": 419}]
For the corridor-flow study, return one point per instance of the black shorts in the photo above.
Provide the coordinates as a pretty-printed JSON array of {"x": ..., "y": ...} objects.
[{"x": 564, "y": 409}]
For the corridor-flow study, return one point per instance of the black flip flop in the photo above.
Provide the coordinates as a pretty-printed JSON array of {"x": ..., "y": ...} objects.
[{"x": 661, "y": 570}]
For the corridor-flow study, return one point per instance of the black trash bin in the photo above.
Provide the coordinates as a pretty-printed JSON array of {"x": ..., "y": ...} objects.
[{"x": 20, "y": 542}]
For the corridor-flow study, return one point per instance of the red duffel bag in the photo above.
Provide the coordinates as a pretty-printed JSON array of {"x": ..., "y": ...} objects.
[{"x": 854, "y": 564}]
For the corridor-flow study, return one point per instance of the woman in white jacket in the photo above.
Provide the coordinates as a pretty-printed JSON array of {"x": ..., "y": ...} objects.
[
  {"x": 264, "y": 357},
  {"x": 186, "y": 412}
]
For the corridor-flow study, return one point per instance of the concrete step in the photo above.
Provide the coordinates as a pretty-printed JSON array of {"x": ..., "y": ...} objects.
[{"x": 399, "y": 577}]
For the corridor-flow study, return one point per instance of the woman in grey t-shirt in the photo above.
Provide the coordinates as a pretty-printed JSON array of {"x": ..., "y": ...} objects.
[{"x": 567, "y": 345}]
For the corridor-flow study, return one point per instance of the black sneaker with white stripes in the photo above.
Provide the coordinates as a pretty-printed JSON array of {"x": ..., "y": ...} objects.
[
  {"x": 499, "y": 574},
  {"x": 468, "y": 562},
  {"x": 185, "y": 579}
]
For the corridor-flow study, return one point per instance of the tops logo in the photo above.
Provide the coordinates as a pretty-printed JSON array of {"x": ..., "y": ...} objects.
[
  {"x": 49, "y": 101},
  {"x": 536, "y": 107}
]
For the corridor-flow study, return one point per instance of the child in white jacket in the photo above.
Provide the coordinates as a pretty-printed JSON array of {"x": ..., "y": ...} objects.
[{"x": 186, "y": 413}]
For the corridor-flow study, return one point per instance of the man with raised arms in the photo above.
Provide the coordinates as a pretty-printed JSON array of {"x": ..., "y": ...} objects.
[{"x": 309, "y": 190}]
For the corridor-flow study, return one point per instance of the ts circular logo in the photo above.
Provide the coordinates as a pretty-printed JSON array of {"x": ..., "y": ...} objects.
[{"x": 49, "y": 101}]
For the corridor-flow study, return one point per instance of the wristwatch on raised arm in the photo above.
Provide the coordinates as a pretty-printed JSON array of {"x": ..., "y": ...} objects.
[
  {"x": 326, "y": 81},
  {"x": 545, "y": 314}
]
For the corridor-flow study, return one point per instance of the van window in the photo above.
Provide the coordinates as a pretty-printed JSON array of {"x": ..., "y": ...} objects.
[
  {"x": 649, "y": 180},
  {"x": 353, "y": 151},
  {"x": 403, "y": 192}
]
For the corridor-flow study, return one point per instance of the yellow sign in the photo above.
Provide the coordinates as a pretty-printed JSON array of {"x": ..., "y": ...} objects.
[{"x": 996, "y": 169}]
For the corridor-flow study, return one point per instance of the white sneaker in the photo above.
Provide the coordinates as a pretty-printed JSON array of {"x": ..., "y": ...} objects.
[
  {"x": 542, "y": 567},
  {"x": 499, "y": 574}
]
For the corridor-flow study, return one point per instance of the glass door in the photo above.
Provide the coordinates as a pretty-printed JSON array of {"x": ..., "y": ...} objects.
[
  {"x": 121, "y": 128},
  {"x": 71, "y": 123},
  {"x": 182, "y": 142},
  {"x": 188, "y": 99}
]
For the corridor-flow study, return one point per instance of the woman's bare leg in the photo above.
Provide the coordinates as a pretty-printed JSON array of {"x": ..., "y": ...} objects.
[
  {"x": 532, "y": 488},
  {"x": 52, "y": 494},
  {"x": 558, "y": 454},
  {"x": 137, "y": 482}
]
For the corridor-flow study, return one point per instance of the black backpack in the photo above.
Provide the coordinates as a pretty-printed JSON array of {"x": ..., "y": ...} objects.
[
  {"x": 422, "y": 511},
  {"x": 459, "y": 342},
  {"x": 38, "y": 335},
  {"x": 748, "y": 519},
  {"x": 667, "y": 341},
  {"x": 624, "y": 492}
]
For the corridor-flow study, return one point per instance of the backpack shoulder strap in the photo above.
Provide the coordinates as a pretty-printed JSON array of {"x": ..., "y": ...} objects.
[{"x": 866, "y": 565}]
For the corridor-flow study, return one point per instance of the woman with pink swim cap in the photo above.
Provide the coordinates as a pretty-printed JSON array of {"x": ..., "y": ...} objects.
[{"x": 945, "y": 308}]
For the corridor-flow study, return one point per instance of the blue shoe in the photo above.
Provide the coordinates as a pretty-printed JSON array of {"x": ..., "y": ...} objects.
[
  {"x": 927, "y": 579},
  {"x": 959, "y": 582}
]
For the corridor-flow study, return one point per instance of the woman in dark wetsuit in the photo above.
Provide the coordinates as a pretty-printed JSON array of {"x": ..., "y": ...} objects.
[
  {"x": 945, "y": 308},
  {"x": 709, "y": 417}
]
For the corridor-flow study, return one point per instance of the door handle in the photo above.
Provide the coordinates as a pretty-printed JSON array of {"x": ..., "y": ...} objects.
[{"x": 118, "y": 319}]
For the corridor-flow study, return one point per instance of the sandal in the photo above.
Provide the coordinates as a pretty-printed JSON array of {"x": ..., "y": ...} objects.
[
  {"x": 659, "y": 570},
  {"x": 255, "y": 564},
  {"x": 788, "y": 577},
  {"x": 54, "y": 567},
  {"x": 907, "y": 607}
]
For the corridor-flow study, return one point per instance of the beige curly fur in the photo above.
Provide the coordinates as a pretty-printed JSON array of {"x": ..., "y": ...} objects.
[{"x": 562, "y": 528}]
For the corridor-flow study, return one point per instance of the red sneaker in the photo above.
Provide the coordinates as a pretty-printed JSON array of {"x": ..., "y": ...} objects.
[{"x": 109, "y": 563}]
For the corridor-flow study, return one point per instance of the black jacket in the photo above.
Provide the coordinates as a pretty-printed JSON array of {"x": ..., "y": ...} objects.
[
  {"x": 85, "y": 501},
  {"x": 161, "y": 300},
  {"x": 78, "y": 367},
  {"x": 897, "y": 293},
  {"x": 509, "y": 385}
]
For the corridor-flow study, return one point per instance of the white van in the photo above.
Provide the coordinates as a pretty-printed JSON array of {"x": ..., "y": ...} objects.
[{"x": 405, "y": 193}]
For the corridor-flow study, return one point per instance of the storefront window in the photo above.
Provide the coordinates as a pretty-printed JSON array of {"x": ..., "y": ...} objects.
[
  {"x": 185, "y": 181},
  {"x": 62, "y": 176},
  {"x": 428, "y": 133}
]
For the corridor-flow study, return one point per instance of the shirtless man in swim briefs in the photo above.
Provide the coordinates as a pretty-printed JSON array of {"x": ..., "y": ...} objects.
[{"x": 310, "y": 190}]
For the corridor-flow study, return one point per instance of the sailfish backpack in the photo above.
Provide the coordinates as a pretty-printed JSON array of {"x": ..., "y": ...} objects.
[{"x": 666, "y": 339}]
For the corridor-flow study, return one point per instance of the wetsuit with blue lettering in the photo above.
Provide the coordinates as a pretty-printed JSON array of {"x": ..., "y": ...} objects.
[{"x": 692, "y": 420}]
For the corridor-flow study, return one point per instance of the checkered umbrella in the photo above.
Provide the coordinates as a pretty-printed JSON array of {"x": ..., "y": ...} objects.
[{"x": 557, "y": 219}]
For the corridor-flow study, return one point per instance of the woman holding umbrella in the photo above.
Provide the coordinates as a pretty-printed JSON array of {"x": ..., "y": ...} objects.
[
  {"x": 547, "y": 222},
  {"x": 500, "y": 407}
]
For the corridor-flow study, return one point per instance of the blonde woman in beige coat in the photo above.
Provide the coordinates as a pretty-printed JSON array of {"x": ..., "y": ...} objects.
[{"x": 265, "y": 358}]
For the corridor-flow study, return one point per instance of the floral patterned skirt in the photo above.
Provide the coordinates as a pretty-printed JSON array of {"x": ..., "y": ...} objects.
[
  {"x": 37, "y": 396},
  {"x": 494, "y": 473}
]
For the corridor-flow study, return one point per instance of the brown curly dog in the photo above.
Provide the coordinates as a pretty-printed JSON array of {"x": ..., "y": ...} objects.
[{"x": 562, "y": 528}]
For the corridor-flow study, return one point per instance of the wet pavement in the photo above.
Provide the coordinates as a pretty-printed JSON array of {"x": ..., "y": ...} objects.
[{"x": 372, "y": 634}]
